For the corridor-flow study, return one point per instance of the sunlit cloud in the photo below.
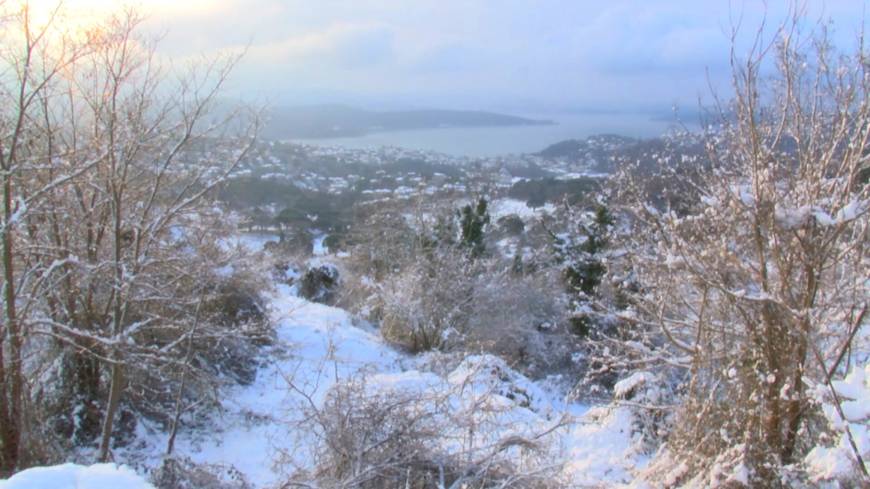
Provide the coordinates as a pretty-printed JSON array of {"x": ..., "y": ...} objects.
[
  {"x": 467, "y": 54},
  {"x": 87, "y": 12}
]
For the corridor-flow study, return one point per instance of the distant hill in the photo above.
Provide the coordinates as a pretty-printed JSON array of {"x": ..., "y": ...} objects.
[
  {"x": 324, "y": 121},
  {"x": 596, "y": 151},
  {"x": 574, "y": 148}
]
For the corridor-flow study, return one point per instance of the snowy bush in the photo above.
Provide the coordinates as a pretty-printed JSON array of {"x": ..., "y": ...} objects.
[
  {"x": 847, "y": 410},
  {"x": 115, "y": 239},
  {"x": 429, "y": 300},
  {"x": 648, "y": 398},
  {"x": 319, "y": 283},
  {"x": 182, "y": 473},
  {"x": 475, "y": 428},
  {"x": 520, "y": 319},
  {"x": 756, "y": 287}
]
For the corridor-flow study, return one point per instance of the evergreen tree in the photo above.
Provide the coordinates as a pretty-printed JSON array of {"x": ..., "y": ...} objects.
[
  {"x": 581, "y": 255},
  {"x": 473, "y": 222},
  {"x": 518, "y": 267}
]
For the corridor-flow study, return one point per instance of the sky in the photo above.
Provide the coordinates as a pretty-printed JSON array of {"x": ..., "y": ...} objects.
[{"x": 532, "y": 56}]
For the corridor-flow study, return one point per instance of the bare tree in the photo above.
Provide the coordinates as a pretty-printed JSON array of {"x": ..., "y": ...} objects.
[
  {"x": 756, "y": 290},
  {"x": 109, "y": 159},
  {"x": 33, "y": 57}
]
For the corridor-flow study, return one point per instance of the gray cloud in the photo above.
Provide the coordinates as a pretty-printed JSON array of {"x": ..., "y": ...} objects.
[{"x": 518, "y": 54}]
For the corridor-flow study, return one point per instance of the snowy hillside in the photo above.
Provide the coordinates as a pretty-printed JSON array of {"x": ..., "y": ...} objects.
[{"x": 264, "y": 432}]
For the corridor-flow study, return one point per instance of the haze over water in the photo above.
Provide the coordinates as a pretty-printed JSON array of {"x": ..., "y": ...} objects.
[{"x": 494, "y": 141}]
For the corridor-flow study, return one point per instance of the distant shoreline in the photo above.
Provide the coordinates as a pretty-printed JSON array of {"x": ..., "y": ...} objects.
[
  {"x": 336, "y": 121},
  {"x": 446, "y": 127},
  {"x": 498, "y": 140}
]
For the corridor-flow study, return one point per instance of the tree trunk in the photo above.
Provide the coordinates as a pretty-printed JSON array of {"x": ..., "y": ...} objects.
[
  {"x": 10, "y": 400},
  {"x": 795, "y": 408},
  {"x": 112, "y": 407}
]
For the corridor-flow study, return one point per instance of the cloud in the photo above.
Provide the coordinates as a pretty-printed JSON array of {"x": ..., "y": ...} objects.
[
  {"x": 626, "y": 40},
  {"x": 449, "y": 58},
  {"x": 616, "y": 54},
  {"x": 345, "y": 46}
]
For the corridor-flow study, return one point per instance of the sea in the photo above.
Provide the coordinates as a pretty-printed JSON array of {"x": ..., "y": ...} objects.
[{"x": 503, "y": 140}]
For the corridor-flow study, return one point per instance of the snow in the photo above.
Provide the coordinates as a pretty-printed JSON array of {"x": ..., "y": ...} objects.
[
  {"x": 262, "y": 432},
  {"x": 488, "y": 374},
  {"x": 795, "y": 218},
  {"x": 320, "y": 345},
  {"x": 318, "y": 248},
  {"x": 225, "y": 271},
  {"x": 603, "y": 450},
  {"x": 505, "y": 207},
  {"x": 71, "y": 476},
  {"x": 852, "y": 210},
  {"x": 831, "y": 462},
  {"x": 791, "y": 218},
  {"x": 744, "y": 193},
  {"x": 625, "y": 387},
  {"x": 741, "y": 474},
  {"x": 253, "y": 242}
]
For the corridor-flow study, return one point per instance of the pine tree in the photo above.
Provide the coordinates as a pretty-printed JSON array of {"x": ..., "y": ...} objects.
[
  {"x": 581, "y": 253},
  {"x": 473, "y": 222}
]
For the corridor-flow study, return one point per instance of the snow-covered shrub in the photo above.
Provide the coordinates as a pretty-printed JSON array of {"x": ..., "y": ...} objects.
[
  {"x": 183, "y": 473},
  {"x": 429, "y": 300},
  {"x": 649, "y": 398},
  {"x": 511, "y": 225},
  {"x": 520, "y": 319},
  {"x": 110, "y": 254},
  {"x": 435, "y": 294},
  {"x": 848, "y": 416},
  {"x": 450, "y": 303},
  {"x": 755, "y": 288},
  {"x": 476, "y": 428},
  {"x": 375, "y": 440},
  {"x": 319, "y": 283},
  {"x": 210, "y": 338},
  {"x": 383, "y": 241},
  {"x": 228, "y": 325}
]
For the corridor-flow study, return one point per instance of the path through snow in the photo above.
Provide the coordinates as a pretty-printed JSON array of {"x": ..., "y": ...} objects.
[{"x": 317, "y": 345}]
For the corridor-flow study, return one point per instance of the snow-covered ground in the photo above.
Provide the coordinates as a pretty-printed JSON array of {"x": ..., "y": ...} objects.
[
  {"x": 318, "y": 247},
  {"x": 504, "y": 207},
  {"x": 253, "y": 242},
  {"x": 71, "y": 476},
  {"x": 261, "y": 431},
  {"x": 315, "y": 346},
  {"x": 320, "y": 345}
]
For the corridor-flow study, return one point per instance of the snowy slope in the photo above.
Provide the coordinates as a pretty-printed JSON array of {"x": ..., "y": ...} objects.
[
  {"x": 316, "y": 344},
  {"x": 322, "y": 346},
  {"x": 262, "y": 433}
]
